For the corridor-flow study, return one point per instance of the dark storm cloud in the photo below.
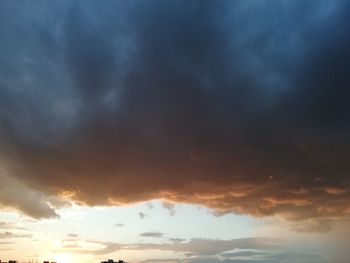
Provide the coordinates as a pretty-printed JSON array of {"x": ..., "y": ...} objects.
[{"x": 239, "y": 106}]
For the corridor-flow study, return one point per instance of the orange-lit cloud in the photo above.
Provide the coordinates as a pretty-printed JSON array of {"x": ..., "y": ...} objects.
[{"x": 178, "y": 102}]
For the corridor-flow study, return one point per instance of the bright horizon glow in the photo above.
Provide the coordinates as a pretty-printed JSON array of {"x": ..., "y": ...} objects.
[
  {"x": 80, "y": 227},
  {"x": 101, "y": 223}
]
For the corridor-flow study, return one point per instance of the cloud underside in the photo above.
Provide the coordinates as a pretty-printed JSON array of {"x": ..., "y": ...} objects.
[
  {"x": 18, "y": 196},
  {"x": 230, "y": 105}
]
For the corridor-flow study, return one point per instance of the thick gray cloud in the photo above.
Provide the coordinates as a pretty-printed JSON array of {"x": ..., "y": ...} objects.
[{"x": 237, "y": 105}]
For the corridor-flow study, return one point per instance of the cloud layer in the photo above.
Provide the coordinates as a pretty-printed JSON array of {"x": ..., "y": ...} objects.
[
  {"x": 193, "y": 247},
  {"x": 255, "y": 249},
  {"x": 238, "y": 106}
]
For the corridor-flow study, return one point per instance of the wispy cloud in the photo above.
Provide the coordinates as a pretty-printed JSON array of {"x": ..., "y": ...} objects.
[
  {"x": 142, "y": 215},
  {"x": 193, "y": 247},
  {"x": 170, "y": 207},
  {"x": 10, "y": 235},
  {"x": 72, "y": 235},
  {"x": 152, "y": 234}
]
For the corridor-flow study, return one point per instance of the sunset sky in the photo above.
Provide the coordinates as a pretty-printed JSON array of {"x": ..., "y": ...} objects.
[{"x": 163, "y": 131}]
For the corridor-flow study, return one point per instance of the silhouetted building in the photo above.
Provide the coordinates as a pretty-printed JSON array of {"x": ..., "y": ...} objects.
[
  {"x": 112, "y": 261},
  {"x": 15, "y": 261}
]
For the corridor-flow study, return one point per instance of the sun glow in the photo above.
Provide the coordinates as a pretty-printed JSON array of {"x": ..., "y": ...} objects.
[{"x": 64, "y": 258}]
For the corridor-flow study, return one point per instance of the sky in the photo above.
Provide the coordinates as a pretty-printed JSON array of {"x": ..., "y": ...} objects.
[{"x": 180, "y": 131}]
